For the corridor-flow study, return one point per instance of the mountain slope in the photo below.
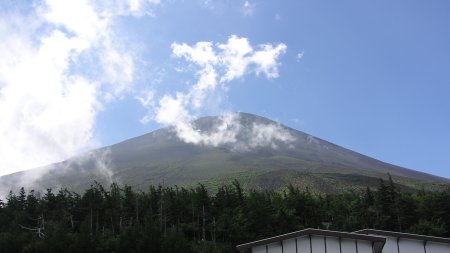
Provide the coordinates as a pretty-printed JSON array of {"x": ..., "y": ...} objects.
[{"x": 258, "y": 156}]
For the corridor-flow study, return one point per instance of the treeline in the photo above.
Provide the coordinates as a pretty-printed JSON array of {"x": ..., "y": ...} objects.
[{"x": 173, "y": 219}]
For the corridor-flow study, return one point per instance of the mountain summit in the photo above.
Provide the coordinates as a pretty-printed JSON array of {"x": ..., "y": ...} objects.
[{"x": 257, "y": 151}]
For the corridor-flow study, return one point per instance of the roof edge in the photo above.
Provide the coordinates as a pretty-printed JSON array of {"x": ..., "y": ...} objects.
[
  {"x": 427, "y": 238},
  {"x": 311, "y": 231}
]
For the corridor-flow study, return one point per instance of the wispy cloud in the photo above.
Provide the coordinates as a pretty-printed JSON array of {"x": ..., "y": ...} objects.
[
  {"x": 40, "y": 179},
  {"x": 217, "y": 66},
  {"x": 300, "y": 55},
  {"x": 277, "y": 17},
  {"x": 266, "y": 135},
  {"x": 51, "y": 83},
  {"x": 248, "y": 8}
]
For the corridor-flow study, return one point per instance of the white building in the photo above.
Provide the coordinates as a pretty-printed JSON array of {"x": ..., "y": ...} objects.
[
  {"x": 363, "y": 241},
  {"x": 410, "y": 243},
  {"x": 316, "y": 241}
]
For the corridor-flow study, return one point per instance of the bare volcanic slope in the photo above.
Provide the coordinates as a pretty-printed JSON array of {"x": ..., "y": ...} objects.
[{"x": 258, "y": 152}]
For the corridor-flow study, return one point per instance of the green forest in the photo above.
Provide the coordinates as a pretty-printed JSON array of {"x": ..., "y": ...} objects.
[{"x": 177, "y": 219}]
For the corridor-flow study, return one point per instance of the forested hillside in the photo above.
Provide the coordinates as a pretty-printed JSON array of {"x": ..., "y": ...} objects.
[{"x": 172, "y": 219}]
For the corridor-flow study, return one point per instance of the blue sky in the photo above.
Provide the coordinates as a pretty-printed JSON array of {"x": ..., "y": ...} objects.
[{"x": 371, "y": 76}]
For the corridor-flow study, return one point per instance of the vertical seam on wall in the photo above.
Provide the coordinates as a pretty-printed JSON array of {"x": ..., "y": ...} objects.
[
  {"x": 398, "y": 244},
  {"x": 325, "y": 242},
  {"x": 356, "y": 245},
  {"x": 282, "y": 247},
  {"x": 296, "y": 246},
  {"x": 340, "y": 245},
  {"x": 310, "y": 243}
]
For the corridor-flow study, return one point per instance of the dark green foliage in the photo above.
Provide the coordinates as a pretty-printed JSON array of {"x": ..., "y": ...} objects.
[{"x": 192, "y": 220}]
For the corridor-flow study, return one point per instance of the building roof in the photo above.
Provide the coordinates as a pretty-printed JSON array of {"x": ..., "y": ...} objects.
[
  {"x": 426, "y": 238},
  {"x": 378, "y": 241}
]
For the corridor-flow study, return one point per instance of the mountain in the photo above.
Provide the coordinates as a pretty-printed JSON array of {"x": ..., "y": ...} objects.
[{"x": 259, "y": 152}]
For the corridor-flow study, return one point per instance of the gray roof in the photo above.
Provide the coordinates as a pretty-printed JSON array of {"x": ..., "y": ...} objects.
[
  {"x": 378, "y": 241},
  {"x": 426, "y": 238}
]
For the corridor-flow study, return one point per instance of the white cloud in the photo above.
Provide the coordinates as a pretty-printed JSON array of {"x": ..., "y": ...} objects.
[
  {"x": 208, "y": 4},
  {"x": 265, "y": 59},
  {"x": 202, "y": 53},
  {"x": 234, "y": 57},
  {"x": 67, "y": 14},
  {"x": 51, "y": 83},
  {"x": 223, "y": 132},
  {"x": 136, "y": 7},
  {"x": 219, "y": 63},
  {"x": 118, "y": 70},
  {"x": 172, "y": 110},
  {"x": 99, "y": 166},
  {"x": 146, "y": 99},
  {"x": 230, "y": 130},
  {"x": 266, "y": 135},
  {"x": 248, "y": 8},
  {"x": 300, "y": 55}
]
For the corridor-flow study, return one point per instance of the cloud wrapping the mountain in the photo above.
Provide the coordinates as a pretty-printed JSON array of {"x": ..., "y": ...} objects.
[
  {"x": 218, "y": 65},
  {"x": 266, "y": 135},
  {"x": 99, "y": 168},
  {"x": 61, "y": 63},
  {"x": 223, "y": 132},
  {"x": 229, "y": 130}
]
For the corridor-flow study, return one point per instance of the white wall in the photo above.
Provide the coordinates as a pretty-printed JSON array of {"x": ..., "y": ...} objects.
[
  {"x": 289, "y": 246},
  {"x": 391, "y": 245},
  {"x": 259, "y": 249},
  {"x": 433, "y": 247},
  {"x": 318, "y": 245},
  {"x": 348, "y": 246},
  {"x": 410, "y": 246},
  {"x": 333, "y": 245},
  {"x": 303, "y": 245},
  {"x": 413, "y": 246},
  {"x": 275, "y": 248},
  {"x": 364, "y": 246}
]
